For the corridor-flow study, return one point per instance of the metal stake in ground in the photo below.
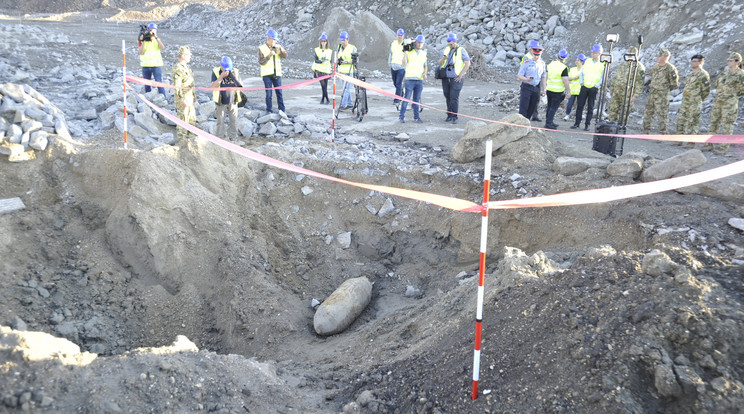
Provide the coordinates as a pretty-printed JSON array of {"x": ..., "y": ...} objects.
[
  {"x": 482, "y": 268},
  {"x": 333, "y": 107},
  {"x": 124, "y": 83}
]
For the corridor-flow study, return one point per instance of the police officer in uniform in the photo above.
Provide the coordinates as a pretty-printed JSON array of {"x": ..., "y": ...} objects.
[{"x": 533, "y": 75}]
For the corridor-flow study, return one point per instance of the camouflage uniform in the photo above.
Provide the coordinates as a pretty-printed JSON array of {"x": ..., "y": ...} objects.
[
  {"x": 729, "y": 86},
  {"x": 697, "y": 88},
  {"x": 664, "y": 78},
  {"x": 617, "y": 87},
  {"x": 184, "y": 98}
]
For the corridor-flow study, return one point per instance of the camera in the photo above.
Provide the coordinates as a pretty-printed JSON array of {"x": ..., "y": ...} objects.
[
  {"x": 145, "y": 34},
  {"x": 407, "y": 45},
  {"x": 354, "y": 58}
]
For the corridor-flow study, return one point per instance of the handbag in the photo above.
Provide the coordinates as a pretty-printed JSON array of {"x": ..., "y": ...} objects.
[
  {"x": 243, "y": 99},
  {"x": 440, "y": 73}
]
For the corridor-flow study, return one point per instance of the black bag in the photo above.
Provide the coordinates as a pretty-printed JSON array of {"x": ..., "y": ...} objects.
[
  {"x": 440, "y": 73},
  {"x": 608, "y": 145},
  {"x": 243, "y": 99}
]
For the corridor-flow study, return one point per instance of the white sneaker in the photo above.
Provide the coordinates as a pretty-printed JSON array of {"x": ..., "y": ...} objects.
[{"x": 565, "y": 118}]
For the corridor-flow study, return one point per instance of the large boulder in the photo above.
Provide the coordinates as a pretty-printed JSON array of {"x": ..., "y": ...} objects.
[
  {"x": 473, "y": 144},
  {"x": 674, "y": 166}
]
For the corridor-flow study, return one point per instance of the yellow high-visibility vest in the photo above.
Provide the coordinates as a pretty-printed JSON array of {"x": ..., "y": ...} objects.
[
  {"x": 216, "y": 94},
  {"x": 151, "y": 57},
  {"x": 456, "y": 59},
  {"x": 574, "y": 84},
  {"x": 273, "y": 66},
  {"x": 325, "y": 55},
  {"x": 396, "y": 53},
  {"x": 416, "y": 64},
  {"x": 592, "y": 73},
  {"x": 345, "y": 55},
  {"x": 555, "y": 81}
]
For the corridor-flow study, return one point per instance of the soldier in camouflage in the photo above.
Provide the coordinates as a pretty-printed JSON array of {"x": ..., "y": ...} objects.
[
  {"x": 664, "y": 79},
  {"x": 697, "y": 88},
  {"x": 618, "y": 84},
  {"x": 184, "y": 95},
  {"x": 729, "y": 87}
]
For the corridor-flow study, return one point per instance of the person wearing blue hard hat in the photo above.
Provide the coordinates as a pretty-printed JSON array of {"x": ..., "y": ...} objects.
[
  {"x": 346, "y": 53},
  {"x": 416, "y": 68},
  {"x": 557, "y": 87},
  {"x": 270, "y": 55},
  {"x": 590, "y": 78},
  {"x": 397, "y": 68},
  {"x": 455, "y": 63},
  {"x": 533, "y": 74},
  {"x": 226, "y": 76},
  {"x": 573, "y": 82},
  {"x": 322, "y": 66},
  {"x": 149, "y": 47}
]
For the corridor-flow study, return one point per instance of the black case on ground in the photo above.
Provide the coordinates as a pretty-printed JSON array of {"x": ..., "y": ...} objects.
[{"x": 612, "y": 146}]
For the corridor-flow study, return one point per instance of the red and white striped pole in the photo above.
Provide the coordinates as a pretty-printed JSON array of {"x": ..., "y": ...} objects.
[
  {"x": 333, "y": 107},
  {"x": 124, "y": 83},
  {"x": 482, "y": 268}
]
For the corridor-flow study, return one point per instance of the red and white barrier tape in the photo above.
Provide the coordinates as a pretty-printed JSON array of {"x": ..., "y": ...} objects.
[{"x": 564, "y": 199}]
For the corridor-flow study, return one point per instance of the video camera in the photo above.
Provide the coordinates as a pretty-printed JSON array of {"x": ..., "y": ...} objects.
[
  {"x": 407, "y": 45},
  {"x": 145, "y": 34},
  {"x": 354, "y": 58}
]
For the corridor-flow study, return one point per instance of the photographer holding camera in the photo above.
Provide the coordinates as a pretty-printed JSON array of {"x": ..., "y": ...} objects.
[
  {"x": 416, "y": 68},
  {"x": 347, "y": 55},
  {"x": 270, "y": 55},
  {"x": 149, "y": 46},
  {"x": 226, "y": 76}
]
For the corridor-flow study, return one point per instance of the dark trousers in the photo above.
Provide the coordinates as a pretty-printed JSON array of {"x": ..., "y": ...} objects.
[
  {"x": 323, "y": 86},
  {"x": 398, "y": 76},
  {"x": 554, "y": 101},
  {"x": 586, "y": 94},
  {"x": 272, "y": 83},
  {"x": 529, "y": 97},
  {"x": 155, "y": 73},
  {"x": 451, "y": 91},
  {"x": 569, "y": 104}
]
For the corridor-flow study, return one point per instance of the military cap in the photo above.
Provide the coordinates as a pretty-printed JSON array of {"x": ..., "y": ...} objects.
[
  {"x": 632, "y": 49},
  {"x": 664, "y": 52},
  {"x": 184, "y": 50},
  {"x": 735, "y": 56}
]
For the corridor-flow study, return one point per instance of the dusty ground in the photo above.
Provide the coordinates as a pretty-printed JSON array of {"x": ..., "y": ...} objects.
[{"x": 120, "y": 251}]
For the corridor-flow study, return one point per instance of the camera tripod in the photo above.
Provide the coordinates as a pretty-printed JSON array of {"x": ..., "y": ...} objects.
[{"x": 359, "y": 109}]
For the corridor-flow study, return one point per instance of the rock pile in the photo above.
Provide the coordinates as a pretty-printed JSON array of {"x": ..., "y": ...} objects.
[{"x": 27, "y": 122}]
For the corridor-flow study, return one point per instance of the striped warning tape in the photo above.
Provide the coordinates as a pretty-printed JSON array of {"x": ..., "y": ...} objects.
[{"x": 565, "y": 199}]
